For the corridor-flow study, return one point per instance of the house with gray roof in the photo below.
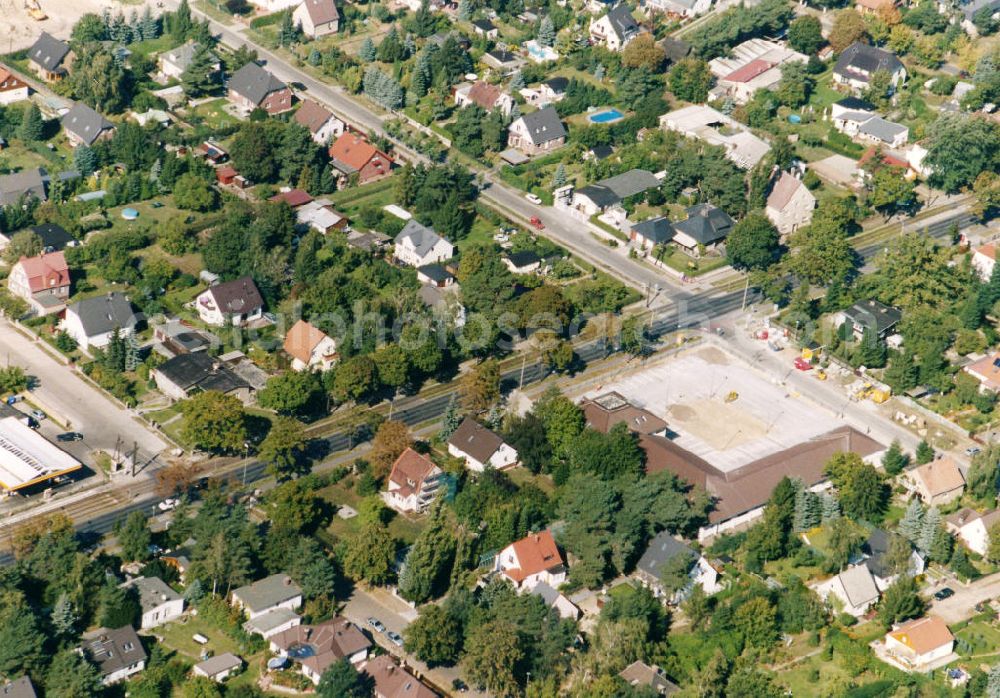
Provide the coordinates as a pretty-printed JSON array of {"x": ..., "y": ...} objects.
[
  {"x": 117, "y": 652},
  {"x": 237, "y": 302},
  {"x": 555, "y": 600},
  {"x": 251, "y": 87},
  {"x": 598, "y": 197},
  {"x": 651, "y": 232},
  {"x": 661, "y": 554},
  {"x": 272, "y": 622},
  {"x": 187, "y": 374},
  {"x": 678, "y": 8},
  {"x": 417, "y": 245},
  {"x": 858, "y": 62},
  {"x": 93, "y": 321},
  {"x": 878, "y": 559},
  {"x": 615, "y": 29},
  {"x": 854, "y": 588},
  {"x": 49, "y": 58},
  {"x": 870, "y": 315},
  {"x": 267, "y": 594},
  {"x": 219, "y": 667},
  {"x": 84, "y": 126},
  {"x": 174, "y": 62},
  {"x": 705, "y": 226},
  {"x": 159, "y": 603},
  {"x": 30, "y": 182},
  {"x": 538, "y": 132},
  {"x": 884, "y": 132}
]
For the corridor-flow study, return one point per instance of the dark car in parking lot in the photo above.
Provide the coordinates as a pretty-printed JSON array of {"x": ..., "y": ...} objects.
[
  {"x": 70, "y": 436},
  {"x": 943, "y": 594}
]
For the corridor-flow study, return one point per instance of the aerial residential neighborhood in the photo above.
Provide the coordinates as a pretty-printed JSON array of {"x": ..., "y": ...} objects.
[{"x": 416, "y": 348}]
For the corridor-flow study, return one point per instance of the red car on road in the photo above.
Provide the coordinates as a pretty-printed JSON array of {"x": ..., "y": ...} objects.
[
  {"x": 537, "y": 222},
  {"x": 802, "y": 364}
]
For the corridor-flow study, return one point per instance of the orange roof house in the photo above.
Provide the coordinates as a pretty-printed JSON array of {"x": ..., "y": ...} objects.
[
  {"x": 352, "y": 154},
  {"x": 986, "y": 371},
  {"x": 309, "y": 347},
  {"x": 413, "y": 482},
  {"x": 919, "y": 645},
  {"x": 937, "y": 482},
  {"x": 533, "y": 560},
  {"x": 42, "y": 281}
]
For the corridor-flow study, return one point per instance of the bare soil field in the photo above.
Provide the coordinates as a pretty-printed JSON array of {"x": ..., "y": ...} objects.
[{"x": 19, "y": 31}]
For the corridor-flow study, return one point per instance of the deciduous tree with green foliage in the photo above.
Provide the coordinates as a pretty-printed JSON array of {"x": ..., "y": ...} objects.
[
  {"x": 862, "y": 493},
  {"x": 343, "y": 680},
  {"x": 435, "y": 636},
  {"x": 370, "y": 554},
  {"x": 805, "y": 34},
  {"x": 284, "y": 448},
  {"x": 492, "y": 653},
  {"x": 753, "y": 243},
  {"x": 901, "y": 601},
  {"x": 215, "y": 422}
]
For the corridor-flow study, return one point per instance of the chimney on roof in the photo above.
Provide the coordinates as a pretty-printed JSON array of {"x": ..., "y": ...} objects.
[{"x": 287, "y": 581}]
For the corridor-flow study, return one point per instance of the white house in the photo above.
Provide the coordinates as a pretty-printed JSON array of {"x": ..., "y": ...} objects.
[
  {"x": 276, "y": 591},
  {"x": 480, "y": 447},
  {"x": 715, "y": 128},
  {"x": 615, "y": 29},
  {"x": 12, "y": 88},
  {"x": 93, "y": 321},
  {"x": 42, "y": 281},
  {"x": 117, "y": 652},
  {"x": 679, "y": 8},
  {"x": 413, "y": 483},
  {"x": 236, "y": 302},
  {"x": 310, "y": 347},
  {"x": 984, "y": 259},
  {"x": 539, "y": 132},
  {"x": 173, "y": 62},
  {"x": 854, "y": 587},
  {"x": 159, "y": 603},
  {"x": 879, "y": 561},
  {"x": 936, "y": 483},
  {"x": 418, "y": 245},
  {"x": 322, "y": 124},
  {"x": 790, "y": 204},
  {"x": 858, "y": 62},
  {"x": 662, "y": 550},
  {"x": 533, "y": 560},
  {"x": 919, "y": 645},
  {"x": 324, "y": 644},
  {"x": 553, "y": 599},
  {"x": 219, "y": 667},
  {"x": 973, "y": 528},
  {"x": 272, "y": 6},
  {"x": 484, "y": 95},
  {"x": 750, "y": 66},
  {"x": 317, "y": 17},
  {"x": 272, "y": 622}
]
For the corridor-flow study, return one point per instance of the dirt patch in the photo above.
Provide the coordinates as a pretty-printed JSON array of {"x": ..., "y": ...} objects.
[
  {"x": 714, "y": 356},
  {"x": 19, "y": 31},
  {"x": 721, "y": 425}
]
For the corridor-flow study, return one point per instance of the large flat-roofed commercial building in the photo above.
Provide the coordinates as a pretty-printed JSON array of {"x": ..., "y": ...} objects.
[{"x": 27, "y": 458}]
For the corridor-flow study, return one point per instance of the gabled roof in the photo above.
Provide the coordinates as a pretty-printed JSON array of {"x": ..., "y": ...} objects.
[
  {"x": 858, "y": 61},
  {"x": 102, "y": 314},
  {"x": 639, "y": 673},
  {"x": 435, "y": 272},
  {"x": 337, "y": 638},
  {"x": 302, "y": 339},
  {"x": 656, "y": 230},
  {"x": 605, "y": 411},
  {"x": 48, "y": 52},
  {"x": 237, "y": 297},
  {"x": 523, "y": 258},
  {"x": 877, "y": 549},
  {"x": 751, "y": 70},
  {"x": 705, "y": 224},
  {"x": 855, "y": 104},
  {"x": 269, "y": 620},
  {"x": 965, "y": 516},
  {"x": 663, "y": 548},
  {"x": 784, "y": 189},
  {"x": 422, "y": 239},
  {"x": 201, "y": 371},
  {"x": 501, "y": 56},
  {"x": 484, "y": 94},
  {"x": 321, "y": 11},
  {"x": 113, "y": 650},
  {"x": 859, "y": 585},
  {"x": 543, "y": 125},
  {"x": 882, "y": 129},
  {"x": 411, "y": 470},
  {"x": 871, "y": 314},
  {"x": 474, "y": 439},
  {"x": 393, "y": 681},
  {"x": 312, "y": 115},
  {"x": 85, "y": 123},
  {"x": 621, "y": 20},
  {"x": 183, "y": 54},
  {"x": 484, "y": 25},
  {"x": 54, "y": 237},
  {"x": 675, "y": 49},
  {"x": 26, "y": 182},
  {"x": 351, "y": 152},
  {"x": 15, "y": 82},
  {"x": 268, "y": 592},
  {"x": 153, "y": 592},
  {"x": 536, "y": 552},
  {"x": 45, "y": 271},
  {"x": 940, "y": 476},
  {"x": 254, "y": 83},
  {"x": 293, "y": 197},
  {"x": 558, "y": 85},
  {"x": 219, "y": 663},
  {"x": 923, "y": 635}
]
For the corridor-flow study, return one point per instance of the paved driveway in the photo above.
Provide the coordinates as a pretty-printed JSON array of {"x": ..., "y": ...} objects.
[
  {"x": 963, "y": 604},
  {"x": 60, "y": 389}
]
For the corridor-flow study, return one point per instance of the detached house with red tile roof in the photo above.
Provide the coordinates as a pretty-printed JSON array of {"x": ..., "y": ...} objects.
[
  {"x": 986, "y": 371},
  {"x": 316, "y": 647},
  {"x": 352, "y": 154},
  {"x": 12, "y": 88},
  {"x": 984, "y": 258},
  {"x": 920, "y": 645},
  {"x": 484, "y": 95},
  {"x": 310, "y": 348},
  {"x": 533, "y": 560},
  {"x": 393, "y": 681},
  {"x": 413, "y": 483},
  {"x": 42, "y": 281}
]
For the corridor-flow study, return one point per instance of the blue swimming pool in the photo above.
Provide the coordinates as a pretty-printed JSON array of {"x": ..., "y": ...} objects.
[{"x": 606, "y": 116}]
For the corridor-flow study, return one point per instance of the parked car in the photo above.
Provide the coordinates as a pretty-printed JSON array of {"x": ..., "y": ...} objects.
[
  {"x": 376, "y": 624},
  {"x": 802, "y": 364},
  {"x": 533, "y": 198},
  {"x": 395, "y": 638},
  {"x": 943, "y": 594},
  {"x": 537, "y": 223},
  {"x": 459, "y": 685},
  {"x": 168, "y": 504},
  {"x": 972, "y": 450},
  {"x": 70, "y": 436},
  {"x": 38, "y": 414}
]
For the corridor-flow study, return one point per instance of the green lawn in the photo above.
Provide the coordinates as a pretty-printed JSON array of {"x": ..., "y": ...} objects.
[
  {"x": 214, "y": 115},
  {"x": 401, "y": 527},
  {"x": 979, "y": 636},
  {"x": 179, "y": 636}
]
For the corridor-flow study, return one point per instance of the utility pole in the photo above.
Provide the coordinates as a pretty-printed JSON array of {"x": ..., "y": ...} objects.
[
  {"x": 524, "y": 359},
  {"x": 746, "y": 290}
]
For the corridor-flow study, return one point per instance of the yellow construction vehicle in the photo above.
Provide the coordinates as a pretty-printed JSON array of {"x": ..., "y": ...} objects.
[
  {"x": 733, "y": 396},
  {"x": 878, "y": 395},
  {"x": 35, "y": 10},
  {"x": 820, "y": 374}
]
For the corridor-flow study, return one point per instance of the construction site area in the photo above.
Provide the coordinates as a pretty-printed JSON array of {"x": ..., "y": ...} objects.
[
  {"x": 720, "y": 408},
  {"x": 21, "y": 21}
]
